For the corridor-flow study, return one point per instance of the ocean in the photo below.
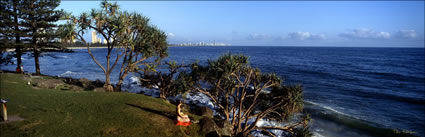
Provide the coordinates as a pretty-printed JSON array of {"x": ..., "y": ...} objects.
[{"x": 350, "y": 92}]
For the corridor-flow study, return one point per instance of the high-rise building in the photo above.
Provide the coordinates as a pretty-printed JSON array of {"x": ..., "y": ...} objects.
[{"x": 94, "y": 38}]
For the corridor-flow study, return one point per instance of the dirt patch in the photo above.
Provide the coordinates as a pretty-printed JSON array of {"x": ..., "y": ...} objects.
[
  {"x": 67, "y": 118},
  {"x": 30, "y": 125},
  {"x": 11, "y": 118},
  {"x": 111, "y": 130}
]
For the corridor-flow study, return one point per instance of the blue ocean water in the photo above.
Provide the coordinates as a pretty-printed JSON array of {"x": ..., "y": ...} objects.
[{"x": 348, "y": 91}]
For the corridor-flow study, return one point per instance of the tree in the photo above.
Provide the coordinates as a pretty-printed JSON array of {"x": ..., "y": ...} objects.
[
  {"x": 11, "y": 28},
  {"x": 167, "y": 82},
  {"x": 141, "y": 43},
  {"x": 243, "y": 95},
  {"x": 67, "y": 31},
  {"x": 130, "y": 33},
  {"x": 39, "y": 17}
]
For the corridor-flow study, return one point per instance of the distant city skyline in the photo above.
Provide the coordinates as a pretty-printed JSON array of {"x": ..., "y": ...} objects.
[{"x": 281, "y": 23}]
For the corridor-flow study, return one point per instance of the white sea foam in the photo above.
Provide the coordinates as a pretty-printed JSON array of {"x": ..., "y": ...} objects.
[
  {"x": 64, "y": 57},
  {"x": 315, "y": 134},
  {"x": 66, "y": 74},
  {"x": 326, "y": 107},
  {"x": 134, "y": 79}
]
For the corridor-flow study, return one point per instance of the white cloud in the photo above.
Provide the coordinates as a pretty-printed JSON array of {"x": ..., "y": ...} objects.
[
  {"x": 364, "y": 33},
  {"x": 257, "y": 36},
  {"x": 305, "y": 36},
  {"x": 170, "y": 34},
  {"x": 405, "y": 34}
]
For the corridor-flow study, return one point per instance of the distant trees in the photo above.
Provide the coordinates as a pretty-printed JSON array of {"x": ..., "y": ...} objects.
[
  {"x": 244, "y": 96},
  {"x": 130, "y": 34}
]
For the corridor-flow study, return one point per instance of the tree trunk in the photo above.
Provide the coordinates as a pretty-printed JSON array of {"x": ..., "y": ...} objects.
[
  {"x": 18, "y": 48},
  {"x": 120, "y": 81},
  {"x": 37, "y": 63},
  {"x": 108, "y": 86},
  {"x": 118, "y": 86},
  {"x": 18, "y": 51},
  {"x": 162, "y": 95}
]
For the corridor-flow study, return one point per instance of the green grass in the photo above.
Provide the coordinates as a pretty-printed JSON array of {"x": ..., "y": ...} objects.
[{"x": 68, "y": 113}]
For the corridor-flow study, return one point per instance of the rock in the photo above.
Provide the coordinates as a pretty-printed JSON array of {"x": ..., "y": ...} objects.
[
  {"x": 99, "y": 90},
  {"x": 109, "y": 88},
  {"x": 227, "y": 129},
  {"x": 244, "y": 135},
  {"x": 50, "y": 83},
  {"x": 98, "y": 83},
  {"x": 204, "y": 111},
  {"x": 86, "y": 84},
  {"x": 212, "y": 134},
  {"x": 208, "y": 126},
  {"x": 75, "y": 88}
]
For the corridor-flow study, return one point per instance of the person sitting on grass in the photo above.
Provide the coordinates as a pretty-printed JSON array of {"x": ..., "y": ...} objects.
[{"x": 182, "y": 119}]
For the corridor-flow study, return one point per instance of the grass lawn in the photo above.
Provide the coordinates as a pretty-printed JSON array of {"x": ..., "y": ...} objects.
[{"x": 49, "y": 112}]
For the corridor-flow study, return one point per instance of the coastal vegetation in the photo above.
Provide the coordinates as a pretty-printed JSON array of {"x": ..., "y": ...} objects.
[
  {"x": 72, "y": 112},
  {"x": 10, "y": 31},
  {"x": 242, "y": 95},
  {"x": 130, "y": 33},
  {"x": 168, "y": 84},
  {"x": 29, "y": 25}
]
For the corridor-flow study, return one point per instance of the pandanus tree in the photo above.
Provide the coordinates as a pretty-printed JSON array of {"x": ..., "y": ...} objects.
[
  {"x": 243, "y": 96},
  {"x": 130, "y": 34},
  {"x": 67, "y": 31},
  {"x": 143, "y": 45},
  {"x": 169, "y": 82}
]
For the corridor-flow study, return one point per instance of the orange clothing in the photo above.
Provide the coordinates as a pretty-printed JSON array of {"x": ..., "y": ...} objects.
[
  {"x": 181, "y": 123},
  {"x": 18, "y": 70}
]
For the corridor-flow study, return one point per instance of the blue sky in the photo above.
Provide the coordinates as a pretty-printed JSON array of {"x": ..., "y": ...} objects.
[{"x": 281, "y": 23}]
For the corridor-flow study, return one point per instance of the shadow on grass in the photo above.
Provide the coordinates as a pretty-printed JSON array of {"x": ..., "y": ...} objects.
[{"x": 165, "y": 114}]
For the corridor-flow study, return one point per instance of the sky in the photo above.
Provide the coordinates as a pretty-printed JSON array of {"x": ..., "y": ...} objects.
[{"x": 280, "y": 23}]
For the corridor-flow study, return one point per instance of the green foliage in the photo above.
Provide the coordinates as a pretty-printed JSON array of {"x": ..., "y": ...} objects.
[
  {"x": 293, "y": 95},
  {"x": 67, "y": 32},
  {"x": 34, "y": 22},
  {"x": 167, "y": 82},
  {"x": 12, "y": 31},
  {"x": 39, "y": 17},
  {"x": 302, "y": 132},
  {"x": 246, "y": 93},
  {"x": 136, "y": 39}
]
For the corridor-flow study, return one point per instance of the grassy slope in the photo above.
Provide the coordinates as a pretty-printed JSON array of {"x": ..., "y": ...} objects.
[{"x": 68, "y": 113}]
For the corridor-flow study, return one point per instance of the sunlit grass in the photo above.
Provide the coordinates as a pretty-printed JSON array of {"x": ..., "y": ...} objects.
[{"x": 68, "y": 113}]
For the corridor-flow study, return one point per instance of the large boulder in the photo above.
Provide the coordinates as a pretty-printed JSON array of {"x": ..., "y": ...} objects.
[
  {"x": 75, "y": 88},
  {"x": 209, "y": 127},
  {"x": 50, "y": 83},
  {"x": 86, "y": 84},
  {"x": 204, "y": 111},
  {"x": 225, "y": 128}
]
